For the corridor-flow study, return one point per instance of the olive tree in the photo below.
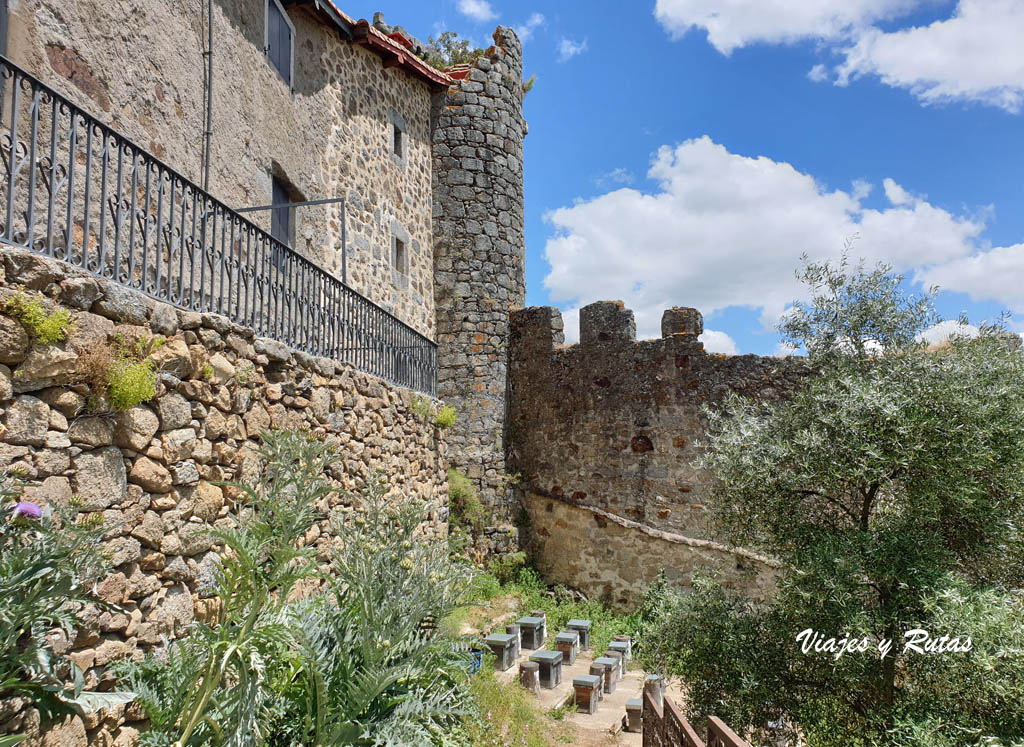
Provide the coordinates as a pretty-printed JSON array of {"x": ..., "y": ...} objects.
[{"x": 891, "y": 487}]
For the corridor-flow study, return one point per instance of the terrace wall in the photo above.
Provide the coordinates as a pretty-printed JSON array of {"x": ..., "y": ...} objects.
[{"x": 149, "y": 471}]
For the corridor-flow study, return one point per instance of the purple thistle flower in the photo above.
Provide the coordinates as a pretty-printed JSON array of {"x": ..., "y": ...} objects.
[{"x": 30, "y": 510}]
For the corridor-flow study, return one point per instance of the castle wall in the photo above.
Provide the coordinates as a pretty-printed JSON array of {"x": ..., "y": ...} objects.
[
  {"x": 612, "y": 425},
  {"x": 479, "y": 255},
  {"x": 148, "y": 472},
  {"x": 138, "y": 66}
]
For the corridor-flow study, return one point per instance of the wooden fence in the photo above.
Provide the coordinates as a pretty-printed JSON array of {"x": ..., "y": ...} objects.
[{"x": 667, "y": 727}]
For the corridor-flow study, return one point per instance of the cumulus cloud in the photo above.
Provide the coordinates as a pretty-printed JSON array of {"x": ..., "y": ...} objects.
[
  {"x": 718, "y": 342},
  {"x": 478, "y": 10},
  {"x": 973, "y": 56},
  {"x": 735, "y": 23},
  {"x": 947, "y": 330},
  {"x": 993, "y": 275},
  {"x": 525, "y": 30},
  {"x": 567, "y": 49},
  {"x": 725, "y": 230},
  {"x": 818, "y": 73}
]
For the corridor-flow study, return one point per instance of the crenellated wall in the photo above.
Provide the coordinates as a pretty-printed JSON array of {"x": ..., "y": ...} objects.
[
  {"x": 479, "y": 253},
  {"x": 610, "y": 426}
]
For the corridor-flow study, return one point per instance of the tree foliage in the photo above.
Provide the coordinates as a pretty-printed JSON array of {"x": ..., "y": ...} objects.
[{"x": 891, "y": 486}]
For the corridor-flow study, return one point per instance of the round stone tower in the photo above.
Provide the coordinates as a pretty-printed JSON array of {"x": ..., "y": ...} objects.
[{"x": 479, "y": 251}]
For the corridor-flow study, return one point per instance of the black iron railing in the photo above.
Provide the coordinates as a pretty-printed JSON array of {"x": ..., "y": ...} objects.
[{"x": 76, "y": 190}]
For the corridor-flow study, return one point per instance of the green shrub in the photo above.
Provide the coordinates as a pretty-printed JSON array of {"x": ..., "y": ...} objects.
[
  {"x": 130, "y": 383},
  {"x": 44, "y": 327},
  {"x": 506, "y": 714},
  {"x": 465, "y": 508},
  {"x": 506, "y": 568},
  {"x": 445, "y": 417},
  {"x": 420, "y": 407}
]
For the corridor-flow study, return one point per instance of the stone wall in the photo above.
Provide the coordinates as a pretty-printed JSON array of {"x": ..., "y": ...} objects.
[
  {"x": 138, "y": 66},
  {"x": 615, "y": 559},
  {"x": 611, "y": 424},
  {"x": 148, "y": 471},
  {"x": 479, "y": 253}
]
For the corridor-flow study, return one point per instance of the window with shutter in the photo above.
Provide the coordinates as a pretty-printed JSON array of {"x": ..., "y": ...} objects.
[{"x": 279, "y": 39}]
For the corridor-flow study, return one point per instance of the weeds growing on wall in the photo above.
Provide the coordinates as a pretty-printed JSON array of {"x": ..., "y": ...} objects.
[
  {"x": 121, "y": 374},
  {"x": 445, "y": 417},
  {"x": 45, "y": 327}
]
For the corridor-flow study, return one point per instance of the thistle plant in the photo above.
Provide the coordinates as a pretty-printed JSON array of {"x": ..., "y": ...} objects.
[
  {"x": 49, "y": 564},
  {"x": 377, "y": 668},
  {"x": 215, "y": 687}
]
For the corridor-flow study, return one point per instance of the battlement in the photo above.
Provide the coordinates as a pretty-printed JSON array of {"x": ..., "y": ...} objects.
[{"x": 607, "y": 324}]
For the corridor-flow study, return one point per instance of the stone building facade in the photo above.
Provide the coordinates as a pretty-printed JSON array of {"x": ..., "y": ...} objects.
[
  {"x": 610, "y": 427},
  {"x": 479, "y": 255},
  {"x": 327, "y": 133}
]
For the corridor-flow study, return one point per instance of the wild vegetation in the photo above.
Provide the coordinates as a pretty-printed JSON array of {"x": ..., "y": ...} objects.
[
  {"x": 45, "y": 327},
  {"x": 891, "y": 485},
  {"x": 49, "y": 564}
]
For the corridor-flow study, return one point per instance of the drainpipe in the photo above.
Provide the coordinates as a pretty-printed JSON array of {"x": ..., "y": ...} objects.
[{"x": 208, "y": 133}]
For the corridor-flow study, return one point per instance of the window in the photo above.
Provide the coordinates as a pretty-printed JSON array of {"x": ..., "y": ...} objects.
[
  {"x": 397, "y": 136},
  {"x": 400, "y": 260},
  {"x": 279, "y": 37},
  {"x": 281, "y": 218},
  {"x": 398, "y": 141}
]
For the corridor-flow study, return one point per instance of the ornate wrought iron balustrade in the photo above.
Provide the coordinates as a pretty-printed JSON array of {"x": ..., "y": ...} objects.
[{"x": 76, "y": 190}]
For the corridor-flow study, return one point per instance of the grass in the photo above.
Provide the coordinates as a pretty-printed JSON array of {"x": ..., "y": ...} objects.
[
  {"x": 508, "y": 715},
  {"x": 558, "y": 605}
]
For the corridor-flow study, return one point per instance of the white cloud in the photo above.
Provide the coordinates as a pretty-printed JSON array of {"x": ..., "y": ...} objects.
[
  {"x": 567, "y": 49},
  {"x": 973, "y": 56},
  {"x": 735, "y": 23},
  {"x": 478, "y": 10},
  {"x": 525, "y": 30},
  {"x": 615, "y": 176},
  {"x": 718, "y": 342},
  {"x": 943, "y": 331},
  {"x": 895, "y": 194},
  {"x": 993, "y": 275},
  {"x": 818, "y": 73},
  {"x": 727, "y": 230}
]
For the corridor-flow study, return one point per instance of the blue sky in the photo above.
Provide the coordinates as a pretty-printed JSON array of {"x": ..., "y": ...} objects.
[{"x": 686, "y": 152}]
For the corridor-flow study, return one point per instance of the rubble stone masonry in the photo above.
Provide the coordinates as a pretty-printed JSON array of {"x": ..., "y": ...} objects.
[
  {"x": 604, "y": 435},
  {"x": 149, "y": 471},
  {"x": 479, "y": 254},
  {"x": 138, "y": 67}
]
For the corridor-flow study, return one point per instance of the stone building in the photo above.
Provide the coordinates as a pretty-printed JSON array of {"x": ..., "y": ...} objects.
[
  {"x": 416, "y": 180},
  {"x": 307, "y": 104}
]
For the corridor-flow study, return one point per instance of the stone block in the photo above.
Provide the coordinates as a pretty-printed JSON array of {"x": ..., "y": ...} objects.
[
  {"x": 606, "y": 322},
  {"x": 681, "y": 321}
]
